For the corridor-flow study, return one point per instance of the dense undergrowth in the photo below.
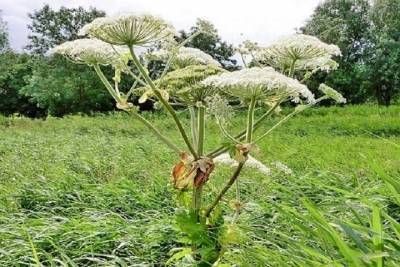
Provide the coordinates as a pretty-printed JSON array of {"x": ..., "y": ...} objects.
[{"x": 81, "y": 191}]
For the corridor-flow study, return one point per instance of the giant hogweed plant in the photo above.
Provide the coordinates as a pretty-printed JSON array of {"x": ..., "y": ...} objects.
[{"x": 194, "y": 80}]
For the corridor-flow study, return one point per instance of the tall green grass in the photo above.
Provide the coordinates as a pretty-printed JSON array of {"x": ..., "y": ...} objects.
[{"x": 82, "y": 191}]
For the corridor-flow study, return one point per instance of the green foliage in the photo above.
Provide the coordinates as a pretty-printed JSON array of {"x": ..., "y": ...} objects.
[
  {"x": 199, "y": 234},
  {"x": 368, "y": 35},
  {"x": 345, "y": 23},
  {"x": 384, "y": 70},
  {"x": 50, "y": 27},
  {"x": 385, "y": 18},
  {"x": 384, "y": 53},
  {"x": 95, "y": 191},
  {"x": 210, "y": 42},
  {"x": 62, "y": 87},
  {"x": 13, "y": 69}
]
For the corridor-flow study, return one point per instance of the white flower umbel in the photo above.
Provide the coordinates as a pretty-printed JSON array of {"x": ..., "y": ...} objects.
[
  {"x": 225, "y": 159},
  {"x": 303, "y": 51},
  {"x": 261, "y": 83},
  {"x": 129, "y": 29},
  {"x": 91, "y": 52},
  {"x": 186, "y": 56},
  {"x": 320, "y": 63},
  {"x": 332, "y": 93}
]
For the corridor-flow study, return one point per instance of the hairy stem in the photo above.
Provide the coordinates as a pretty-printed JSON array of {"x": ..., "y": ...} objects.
[
  {"x": 241, "y": 136},
  {"x": 197, "y": 192},
  {"x": 106, "y": 83},
  {"x": 193, "y": 121},
  {"x": 226, "y": 134},
  {"x": 164, "y": 102},
  {"x": 172, "y": 57},
  {"x": 225, "y": 189},
  {"x": 201, "y": 130},
  {"x": 250, "y": 120}
]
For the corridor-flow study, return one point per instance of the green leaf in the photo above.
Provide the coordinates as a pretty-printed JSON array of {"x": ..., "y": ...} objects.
[
  {"x": 377, "y": 238},
  {"x": 349, "y": 254},
  {"x": 179, "y": 255}
]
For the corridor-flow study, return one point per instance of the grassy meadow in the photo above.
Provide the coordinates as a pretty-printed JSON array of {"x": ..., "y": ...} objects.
[{"x": 80, "y": 190}]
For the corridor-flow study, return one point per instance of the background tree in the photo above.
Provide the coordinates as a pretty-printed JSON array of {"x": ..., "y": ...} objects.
[
  {"x": 56, "y": 85},
  {"x": 383, "y": 57},
  {"x": 13, "y": 68},
  {"x": 345, "y": 23},
  {"x": 210, "y": 42},
  {"x": 3, "y": 34},
  {"x": 52, "y": 27},
  {"x": 62, "y": 87}
]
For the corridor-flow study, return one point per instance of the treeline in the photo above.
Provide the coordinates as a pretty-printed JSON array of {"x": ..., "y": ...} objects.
[
  {"x": 368, "y": 34},
  {"x": 36, "y": 84}
]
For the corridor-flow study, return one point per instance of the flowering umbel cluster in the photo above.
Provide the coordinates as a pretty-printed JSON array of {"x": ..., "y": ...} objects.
[
  {"x": 185, "y": 56},
  {"x": 261, "y": 83},
  {"x": 300, "y": 52},
  {"x": 91, "y": 52},
  {"x": 129, "y": 29},
  {"x": 195, "y": 81}
]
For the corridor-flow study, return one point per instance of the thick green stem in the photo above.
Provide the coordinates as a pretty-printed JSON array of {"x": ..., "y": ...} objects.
[
  {"x": 225, "y": 189},
  {"x": 241, "y": 136},
  {"x": 193, "y": 125},
  {"x": 250, "y": 120},
  {"x": 226, "y": 134},
  {"x": 196, "y": 200},
  {"x": 164, "y": 102},
  {"x": 172, "y": 57},
  {"x": 201, "y": 130},
  {"x": 197, "y": 192},
  {"x": 106, "y": 83}
]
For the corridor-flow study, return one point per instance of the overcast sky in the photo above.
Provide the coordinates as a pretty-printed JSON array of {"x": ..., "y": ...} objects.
[{"x": 236, "y": 20}]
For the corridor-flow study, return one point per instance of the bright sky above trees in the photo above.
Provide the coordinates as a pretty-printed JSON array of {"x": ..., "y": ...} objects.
[{"x": 259, "y": 20}]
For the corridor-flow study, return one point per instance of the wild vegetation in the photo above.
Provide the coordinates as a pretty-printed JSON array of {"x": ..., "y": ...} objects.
[
  {"x": 236, "y": 165},
  {"x": 94, "y": 190}
]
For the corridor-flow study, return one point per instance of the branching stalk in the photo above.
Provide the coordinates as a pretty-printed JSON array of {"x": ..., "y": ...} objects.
[
  {"x": 225, "y": 189},
  {"x": 197, "y": 192},
  {"x": 171, "y": 58},
  {"x": 226, "y": 134},
  {"x": 193, "y": 121},
  {"x": 136, "y": 78},
  {"x": 201, "y": 130},
  {"x": 241, "y": 136},
  {"x": 164, "y": 102},
  {"x": 106, "y": 83},
  {"x": 148, "y": 124},
  {"x": 250, "y": 120}
]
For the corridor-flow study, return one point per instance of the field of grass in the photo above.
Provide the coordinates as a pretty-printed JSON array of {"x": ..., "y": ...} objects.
[{"x": 82, "y": 191}]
